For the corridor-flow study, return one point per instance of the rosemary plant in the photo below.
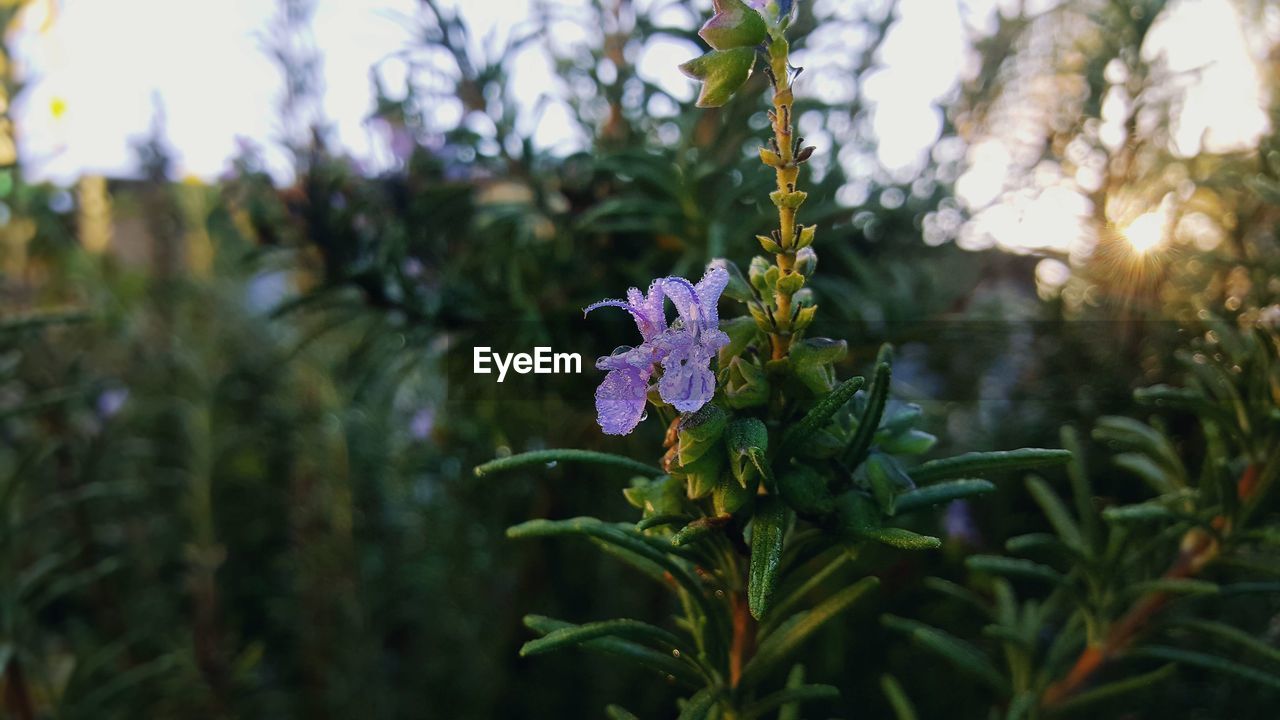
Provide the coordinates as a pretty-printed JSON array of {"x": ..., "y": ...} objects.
[{"x": 774, "y": 471}]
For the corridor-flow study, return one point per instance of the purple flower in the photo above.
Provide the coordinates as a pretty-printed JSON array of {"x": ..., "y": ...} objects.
[
  {"x": 958, "y": 524},
  {"x": 111, "y": 402},
  {"x": 684, "y": 348},
  {"x": 423, "y": 422}
]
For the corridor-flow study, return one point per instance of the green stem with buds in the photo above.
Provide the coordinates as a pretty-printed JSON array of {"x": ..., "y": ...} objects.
[{"x": 785, "y": 158}]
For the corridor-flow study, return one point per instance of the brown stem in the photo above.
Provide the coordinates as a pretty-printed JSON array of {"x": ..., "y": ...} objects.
[
  {"x": 1198, "y": 548},
  {"x": 744, "y": 637},
  {"x": 17, "y": 696}
]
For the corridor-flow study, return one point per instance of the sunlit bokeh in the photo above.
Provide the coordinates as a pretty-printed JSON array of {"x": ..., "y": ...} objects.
[{"x": 1147, "y": 232}]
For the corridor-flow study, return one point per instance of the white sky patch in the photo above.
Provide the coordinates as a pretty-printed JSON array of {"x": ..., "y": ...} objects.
[
  {"x": 1222, "y": 106},
  {"x": 205, "y": 64},
  {"x": 921, "y": 58},
  {"x": 1219, "y": 108}
]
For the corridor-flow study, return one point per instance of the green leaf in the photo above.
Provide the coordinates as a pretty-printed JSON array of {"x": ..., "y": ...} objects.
[
  {"x": 654, "y": 521},
  {"x": 1056, "y": 512},
  {"x": 857, "y": 513},
  {"x": 699, "y": 431},
  {"x": 1141, "y": 512},
  {"x": 1022, "y": 705},
  {"x": 617, "y": 712},
  {"x": 722, "y": 73},
  {"x": 885, "y": 476},
  {"x": 788, "y": 598},
  {"x": 1081, "y": 489},
  {"x": 805, "y": 490},
  {"x": 795, "y": 679},
  {"x": 802, "y": 694},
  {"x": 741, "y": 331},
  {"x": 729, "y": 497},
  {"x": 1035, "y": 542},
  {"x": 663, "y": 495},
  {"x": 547, "y": 457},
  {"x": 821, "y": 413},
  {"x": 898, "y": 700},
  {"x": 1108, "y": 693},
  {"x": 699, "y": 706},
  {"x": 662, "y": 662},
  {"x": 747, "y": 440},
  {"x": 778, "y": 645},
  {"x": 702, "y": 474},
  {"x": 877, "y": 396},
  {"x": 697, "y": 530},
  {"x": 1152, "y": 473},
  {"x": 940, "y": 493},
  {"x": 958, "y": 592},
  {"x": 1132, "y": 434},
  {"x": 964, "y": 656},
  {"x": 908, "y": 442},
  {"x": 982, "y": 463},
  {"x": 1235, "y": 636},
  {"x": 747, "y": 384},
  {"x": 1178, "y": 586},
  {"x": 623, "y": 628},
  {"x": 768, "y": 532},
  {"x": 1209, "y": 662},
  {"x": 813, "y": 360},
  {"x": 733, "y": 26},
  {"x": 903, "y": 539},
  {"x": 1013, "y": 567},
  {"x": 624, "y": 537}
]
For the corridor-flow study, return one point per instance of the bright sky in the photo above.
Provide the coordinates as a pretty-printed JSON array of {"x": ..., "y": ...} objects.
[
  {"x": 204, "y": 63},
  {"x": 208, "y": 71}
]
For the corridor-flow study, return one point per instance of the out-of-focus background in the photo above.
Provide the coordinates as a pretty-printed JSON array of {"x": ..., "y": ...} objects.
[{"x": 245, "y": 248}]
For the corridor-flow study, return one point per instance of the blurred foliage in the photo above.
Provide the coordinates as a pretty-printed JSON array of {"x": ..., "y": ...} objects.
[{"x": 237, "y": 433}]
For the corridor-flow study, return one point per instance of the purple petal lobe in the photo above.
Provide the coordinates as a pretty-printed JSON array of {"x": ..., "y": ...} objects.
[{"x": 620, "y": 399}]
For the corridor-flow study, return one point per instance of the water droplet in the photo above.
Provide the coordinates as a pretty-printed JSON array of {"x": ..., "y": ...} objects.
[
  {"x": 644, "y": 416},
  {"x": 502, "y": 451},
  {"x": 719, "y": 593},
  {"x": 671, "y": 678},
  {"x": 675, "y": 653},
  {"x": 552, "y": 464},
  {"x": 621, "y": 350}
]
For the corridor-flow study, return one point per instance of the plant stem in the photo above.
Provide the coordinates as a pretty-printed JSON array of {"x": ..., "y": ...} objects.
[
  {"x": 744, "y": 637},
  {"x": 1198, "y": 549},
  {"x": 787, "y": 172}
]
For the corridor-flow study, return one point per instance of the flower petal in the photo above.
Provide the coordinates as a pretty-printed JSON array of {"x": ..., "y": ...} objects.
[
  {"x": 650, "y": 308},
  {"x": 620, "y": 399},
  {"x": 687, "y": 381},
  {"x": 684, "y": 296},
  {"x": 709, "y": 289}
]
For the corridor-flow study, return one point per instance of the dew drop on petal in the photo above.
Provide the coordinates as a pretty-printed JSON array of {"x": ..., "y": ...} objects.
[
  {"x": 675, "y": 652},
  {"x": 644, "y": 416},
  {"x": 552, "y": 464},
  {"x": 621, "y": 350}
]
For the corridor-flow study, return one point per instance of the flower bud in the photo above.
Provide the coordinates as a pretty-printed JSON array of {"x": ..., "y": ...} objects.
[
  {"x": 733, "y": 26},
  {"x": 806, "y": 261},
  {"x": 722, "y": 73},
  {"x": 748, "y": 385}
]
